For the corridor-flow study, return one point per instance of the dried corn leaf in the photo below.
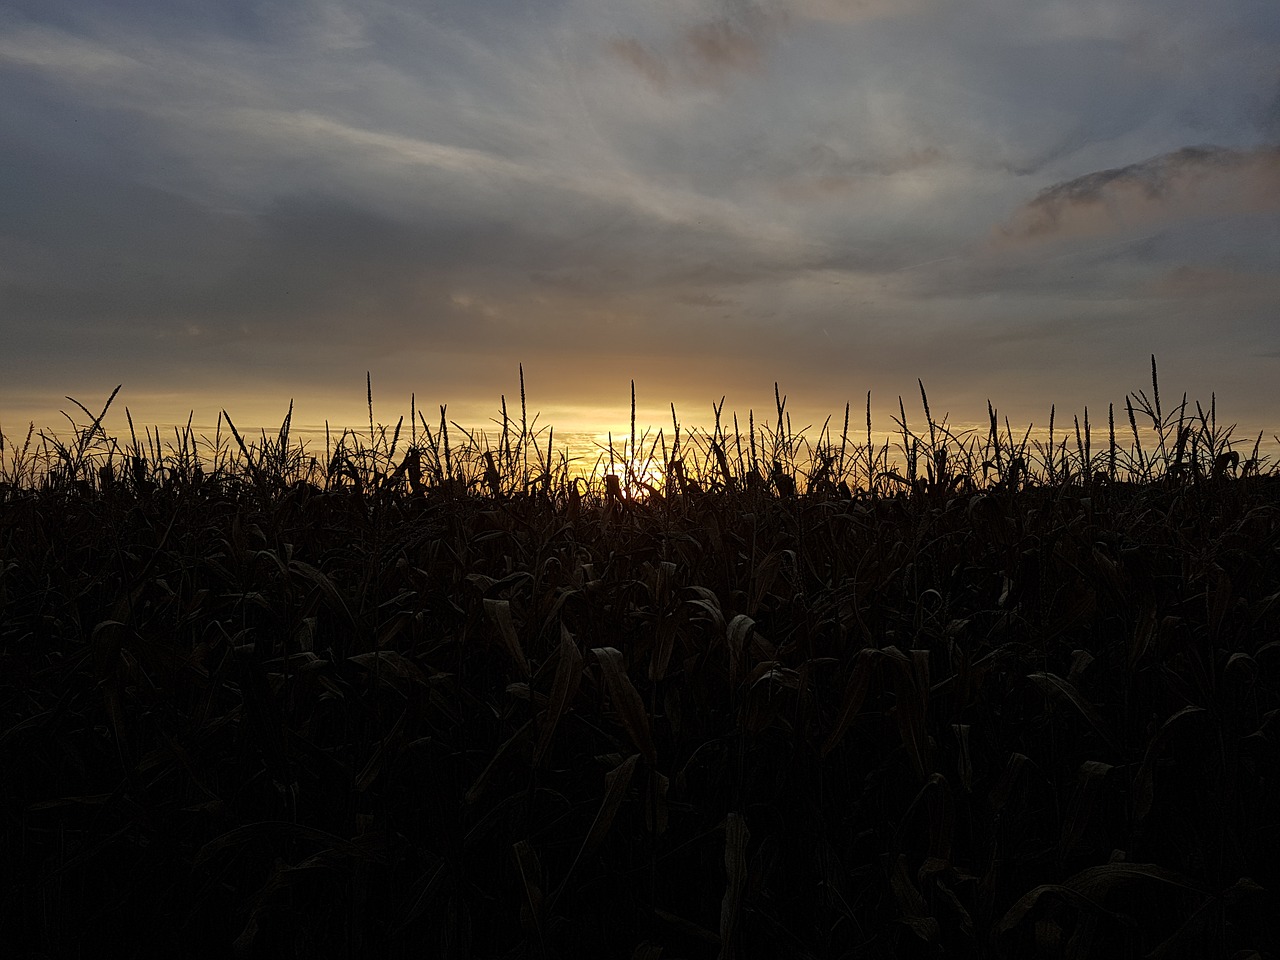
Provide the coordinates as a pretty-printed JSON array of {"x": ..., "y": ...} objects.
[
  {"x": 661, "y": 577},
  {"x": 1220, "y": 596},
  {"x": 1261, "y": 608},
  {"x": 912, "y": 685},
  {"x": 735, "y": 868},
  {"x": 486, "y": 584},
  {"x": 499, "y": 612},
  {"x": 385, "y": 746},
  {"x": 626, "y": 700},
  {"x": 482, "y": 781},
  {"x": 392, "y": 668},
  {"x": 531, "y": 881},
  {"x": 1066, "y": 692},
  {"x": 656, "y": 806},
  {"x": 1191, "y": 932},
  {"x": 964, "y": 756},
  {"x": 1241, "y": 669},
  {"x": 1084, "y": 800},
  {"x": 325, "y": 585},
  {"x": 1088, "y": 889},
  {"x": 616, "y": 782},
  {"x": 1080, "y": 662},
  {"x": 854, "y": 695},
  {"x": 915, "y": 914},
  {"x": 999, "y": 795},
  {"x": 763, "y": 577},
  {"x": 426, "y": 886},
  {"x": 1144, "y": 634},
  {"x": 686, "y": 927},
  {"x": 937, "y": 872},
  {"x": 1028, "y": 902},
  {"x": 936, "y": 794},
  {"x": 1144, "y": 786},
  {"x": 664, "y": 641},
  {"x": 738, "y": 633},
  {"x": 275, "y": 830},
  {"x": 563, "y": 689},
  {"x": 1100, "y": 880},
  {"x": 707, "y": 601}
]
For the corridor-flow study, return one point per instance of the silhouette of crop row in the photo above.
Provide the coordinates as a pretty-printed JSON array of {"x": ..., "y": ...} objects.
[{"x": 970, "y": 696}]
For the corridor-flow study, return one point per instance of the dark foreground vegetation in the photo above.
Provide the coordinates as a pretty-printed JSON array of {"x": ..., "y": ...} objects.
[{"x": 962, "y": 696}]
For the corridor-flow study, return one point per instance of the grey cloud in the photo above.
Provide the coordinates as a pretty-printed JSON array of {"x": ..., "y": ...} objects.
[
  {"x": 332, "y": 279},
  {"x": 643, "y": 60},
  {"x": 706, "y": 52},
  {"x": 730, "y": 44},
  {"x": 1195, "y": 281},
  {"x": 1188, "y": 181},
  {"x": 1105, "y": 258},
  {"x": 324, "y": 24},
  {"x": 704, "y": 300},
  {"x": 1268, "y": 119},
  {"x": 845, "y": 11},
  {"x": 820, "y": 171}
]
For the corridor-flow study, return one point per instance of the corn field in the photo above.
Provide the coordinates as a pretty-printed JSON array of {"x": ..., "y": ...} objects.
[{"x": 435, "y": 694}]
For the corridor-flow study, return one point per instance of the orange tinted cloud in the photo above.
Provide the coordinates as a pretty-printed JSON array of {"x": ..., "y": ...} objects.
[{"x": 1191, "y": 182}]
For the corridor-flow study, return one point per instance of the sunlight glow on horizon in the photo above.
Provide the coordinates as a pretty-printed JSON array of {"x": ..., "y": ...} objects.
[{"x": 584, "y": 430}]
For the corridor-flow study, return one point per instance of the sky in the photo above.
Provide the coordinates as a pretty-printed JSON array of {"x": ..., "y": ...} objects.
[{"x": 230, "y": 205}]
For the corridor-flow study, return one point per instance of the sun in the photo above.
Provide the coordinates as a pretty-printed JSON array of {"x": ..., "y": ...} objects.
[{"x": 631, "y": 473}]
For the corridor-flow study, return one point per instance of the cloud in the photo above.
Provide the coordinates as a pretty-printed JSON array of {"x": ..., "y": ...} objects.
[
  {"x": 823, "y": 173},
  {"x": 847, "y": 11},
  {"x": 710, "y": 51},
  {"x": 1194, "y": 281},
  {"x": 643, "y": 60},
  {"x": 728, "y": 45},
  {"x": 1191, "y": 182},
  {"x": 57, "y": 51},
  {"x": 705, "y": 53},
  {"x": 1268, "y": 118},
  {"x": 324, "y": 25}
]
